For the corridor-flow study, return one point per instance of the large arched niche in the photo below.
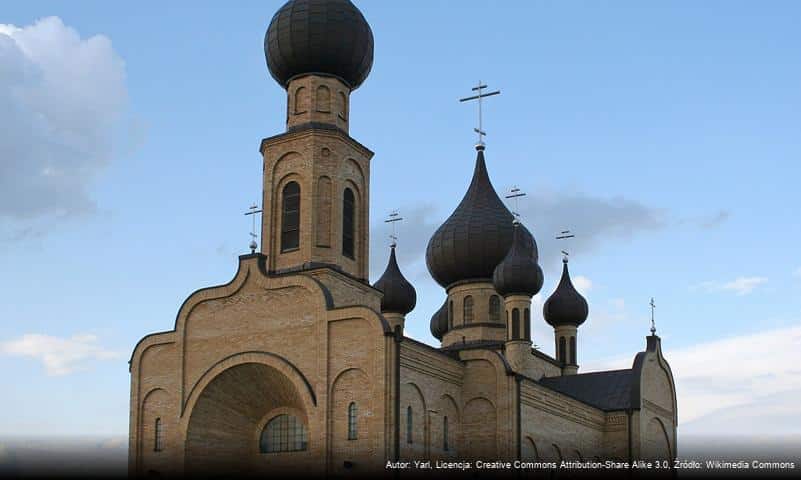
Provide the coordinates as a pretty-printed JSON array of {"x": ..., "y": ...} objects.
[
  {"x": 656, "y": 445},
  {"x": 479, "y": 428},
  {"x": 351, "y": 386},
  {"x": 413, "y": 441},
  {"x": 229, "y": 408}
]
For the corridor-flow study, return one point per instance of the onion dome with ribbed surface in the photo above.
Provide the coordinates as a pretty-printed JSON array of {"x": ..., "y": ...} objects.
[
  {"x": 439, "y": 321},
  {"x": 399, "y": 294},
  {"x": 327, "y": 37},
  {"x": 518, "y": 273},
  {"x": 477, "y": 235},
  {"x": 565, "y": 306}
]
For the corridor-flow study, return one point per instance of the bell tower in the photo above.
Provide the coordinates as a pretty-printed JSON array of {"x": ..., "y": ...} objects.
[{"x": 316, "y": 177}]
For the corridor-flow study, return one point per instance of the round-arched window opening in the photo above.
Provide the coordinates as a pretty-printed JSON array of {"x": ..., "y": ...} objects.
[{"x": 283, "y": 433}]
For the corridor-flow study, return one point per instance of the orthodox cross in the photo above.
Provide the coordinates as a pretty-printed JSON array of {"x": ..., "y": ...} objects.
[
  {"x": 253, "y": 210},
  {"x": 393, "y": 218},
  {"x": 480, "y": 89},
  {"x": 564, "y": 235},
  {"x": 516, "y": 193},
  {"x": 653, "y": 325}
]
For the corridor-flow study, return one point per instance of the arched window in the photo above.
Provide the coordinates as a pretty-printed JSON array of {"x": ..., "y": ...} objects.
[
  {"x": 158, "y": 434},
  {"x": 527, "y": 324},
  {"x": 450, "y": 315},
  {"x": 348, "y": 222},
  {"x": 515, "y": 324},
  {"x": 290, "y": 217},
  {"x": 343, "y": 100},
  {"x": 495, "y": 309},
  {"x": 353, "y": 434},
  {"x": 300, "y": 100},
  {"x": 572, "y": 350},
  {"x": 283, "y": 433},
  {"x": 409, "y": 424},
  {"x": 562, "y": 355},
  {"x": 445, "y": 433},
  {"x": 323, "y": 99},
  {"x": 468, "y": 309}
]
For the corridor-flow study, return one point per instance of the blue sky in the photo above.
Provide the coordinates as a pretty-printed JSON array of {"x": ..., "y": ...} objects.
[{"x": 665, "y": 135}]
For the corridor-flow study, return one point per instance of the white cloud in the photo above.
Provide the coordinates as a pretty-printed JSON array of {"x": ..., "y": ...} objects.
[
  {"x": 60, "y": 356},
  {"x": 740, "y": 285},
  {"x": 727, "y": 377},
  {"x": 61, "y": 97},
  {"x": 582, "y": 284}
]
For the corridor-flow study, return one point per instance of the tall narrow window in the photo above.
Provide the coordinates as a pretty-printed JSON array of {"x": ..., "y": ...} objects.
[
  {"x": 562, "y": 355},
  {"x": 323, "y": 99},
  {"x": 495, "y": 309},
  {"x": 450, "y": 315},
  {"x": 409, "y": 424},
  {"x": 158, "y": 441},
  {"x": 343, "y": 100},
  {"x": 468, "y": 309},
  {"x": 300, "y": 100},
  {"x": 353, "y": 434},
  {"x": 283, "y": 433},
  {"x": 572, "y": 350},
  {"x": 290, "y": 217},
  {"x": 348, "y": 223},
  {"x": 515, "y": 324},
  {"x": 527, "y": 324},
  {"x": 445, "y": 433}
]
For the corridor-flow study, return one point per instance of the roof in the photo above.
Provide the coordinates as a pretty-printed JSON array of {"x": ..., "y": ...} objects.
[{"x": 609, "y": 390}]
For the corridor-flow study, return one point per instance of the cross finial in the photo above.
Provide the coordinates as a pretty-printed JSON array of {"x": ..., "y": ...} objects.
[
  {"x": 564, "y": 235},
  {"x": 516, "y": 193},
  {"x": 480, "y": 89},
  {"x": 653, "y": 325},
  {"x": 253, "y": 210},
  {"x": 392, "y": 218}
]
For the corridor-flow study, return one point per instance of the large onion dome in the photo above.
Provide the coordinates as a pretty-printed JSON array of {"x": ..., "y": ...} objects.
[
  {"x": 518, "y": 273},
  {"x": 565, "y": 306},
  {"x": 477, "y": 235},
  {"x": 439, "y": 321},
  {"x": 328, "y": 37},
  {"x": 399, "y": 294}
]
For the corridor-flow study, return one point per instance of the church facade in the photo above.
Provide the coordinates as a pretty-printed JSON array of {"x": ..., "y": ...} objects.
[{"x": 299, "y": 363}]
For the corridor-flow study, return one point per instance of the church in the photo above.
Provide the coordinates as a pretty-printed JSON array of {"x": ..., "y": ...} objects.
[{"x": 300, "y": 364}]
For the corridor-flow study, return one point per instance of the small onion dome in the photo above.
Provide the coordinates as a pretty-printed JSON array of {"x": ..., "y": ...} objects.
[
  {"x": 477, "y": 235},
  {"x": 439, "y": 321},
  {"x": 565, "y": 306},
  {"x": 399, "y": 294},
  {"x": 326, "y": 37},
  {"x": 518, "y": 272}
]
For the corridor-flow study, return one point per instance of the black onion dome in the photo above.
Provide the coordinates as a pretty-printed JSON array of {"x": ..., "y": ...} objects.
[
  {"x": 477, "y": 235},
  {"x": 518, "y": 272},
  {"x": 565, "y": 306},
  {"x": 329, "y": 37},
  {"x": 399, "y": 294},
  {"x": 439, "y": 321}
]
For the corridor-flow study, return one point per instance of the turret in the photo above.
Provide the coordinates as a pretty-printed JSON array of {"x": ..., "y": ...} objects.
[
  {"x": 518, "y": 278},
  {"x": 565, "y": 310},
  {"x": 399, "y": 295}
]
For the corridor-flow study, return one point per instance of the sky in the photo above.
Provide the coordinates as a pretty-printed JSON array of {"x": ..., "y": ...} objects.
[{"x": 665, "y": 135}]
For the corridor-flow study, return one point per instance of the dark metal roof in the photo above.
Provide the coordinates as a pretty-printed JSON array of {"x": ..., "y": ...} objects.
[
  {"x": 328, "y": 37},
  {"x": 477, "y": 235},
  {"x": 610, "y": 390},
  {"x": 399, "y": 294},
  {"x": 565, "y": 306},
  {"x": 518, "y": 272},
  {"x": 439, "y": 321}
]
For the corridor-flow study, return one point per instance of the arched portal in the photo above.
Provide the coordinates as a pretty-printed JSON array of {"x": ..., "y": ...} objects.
[{"x": 231, "y": 412}]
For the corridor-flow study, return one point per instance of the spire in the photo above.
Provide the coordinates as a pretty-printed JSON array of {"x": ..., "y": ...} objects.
[
  {"x": 565, "y": 306},
  {"x": 399, "y": 294},
  {"x": 518, "y": 272}
]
